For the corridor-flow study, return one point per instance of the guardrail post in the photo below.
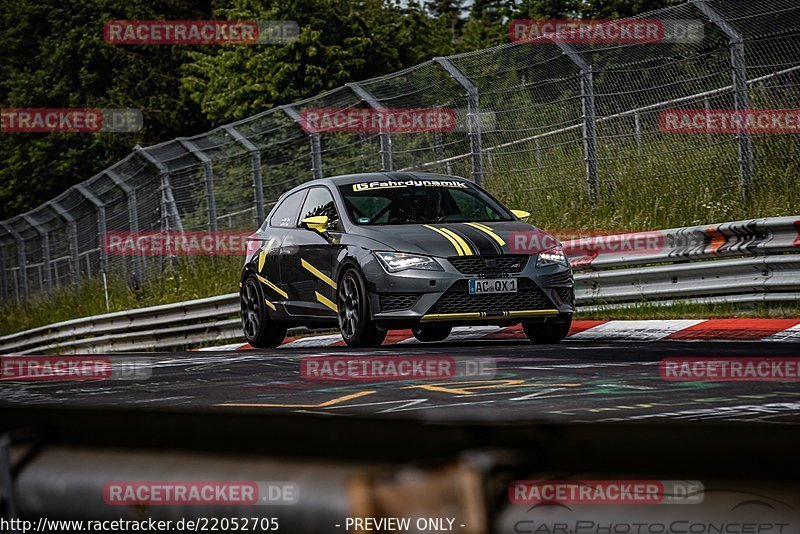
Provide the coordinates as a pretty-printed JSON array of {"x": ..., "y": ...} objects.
[
  {"x": 589, "y": 117},
  {"x": 102, "y": 230},
  {"x": 385, "y": 138},
  {"x": 474, "y": 115},
  {"x": 316, "y": 144},
  {"x": 167, "y": 197},
  {"x": 208, "y": 169},
  {"x": 741, "y": 97},
  {"x": 72, "y": 225},
  {"x": 45, "y": 237},
  {"x": 258, "y": 180},
  {"x": 21, "y": 288},
  {"x": 133, "y": 215}
]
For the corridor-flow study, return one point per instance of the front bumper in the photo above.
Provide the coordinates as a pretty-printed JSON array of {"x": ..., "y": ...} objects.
[{"x": 413, "y": 297}]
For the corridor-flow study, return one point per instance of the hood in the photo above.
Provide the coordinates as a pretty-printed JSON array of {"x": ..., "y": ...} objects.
[{"x": 461, "y": 239}]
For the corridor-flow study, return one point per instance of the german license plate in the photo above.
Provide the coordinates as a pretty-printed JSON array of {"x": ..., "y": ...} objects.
[{"x": 492, "y": 285}]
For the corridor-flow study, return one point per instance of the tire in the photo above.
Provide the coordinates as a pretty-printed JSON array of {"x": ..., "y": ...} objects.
[
  {"x": 547, "y": 333},
  {"x": 355, "y": 319},
  {"x": 259, "y": 330},
  {"x": 431, "y": 333}
]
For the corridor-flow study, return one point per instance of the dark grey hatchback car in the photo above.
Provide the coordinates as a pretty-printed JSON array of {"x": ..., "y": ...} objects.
[{"x": 371, "y": 252}]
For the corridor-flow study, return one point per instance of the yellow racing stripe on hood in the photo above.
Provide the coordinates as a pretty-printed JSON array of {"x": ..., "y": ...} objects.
[
  {"x": 453, "y": 242},
  {"x": 460, "y": 240},
  {"x": 488, "y": 231}
]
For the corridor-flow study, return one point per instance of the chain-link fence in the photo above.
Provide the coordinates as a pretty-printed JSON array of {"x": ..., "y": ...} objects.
[{"x": 571, "y": 131}]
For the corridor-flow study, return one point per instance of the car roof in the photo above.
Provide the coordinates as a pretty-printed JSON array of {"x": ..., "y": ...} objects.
[{"x": 347, "y": 179}]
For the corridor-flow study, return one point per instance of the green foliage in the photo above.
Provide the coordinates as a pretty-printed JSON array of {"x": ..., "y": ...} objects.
[
  {"x": 339, "y": 42},
  {"x": 54, "y": 56}
]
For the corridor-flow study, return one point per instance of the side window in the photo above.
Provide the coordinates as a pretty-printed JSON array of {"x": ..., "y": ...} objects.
[
  {"x": 320, "y": 202},
  {"x": 285, "y": 216}
]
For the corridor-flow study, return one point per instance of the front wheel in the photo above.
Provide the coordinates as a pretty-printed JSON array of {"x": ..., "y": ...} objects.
[
  {"x": 431, "y": 333},
  {"x": 548, "y": 332},
  {"x": 259, "y": 330},
  {"x": 355, "y": 320}
]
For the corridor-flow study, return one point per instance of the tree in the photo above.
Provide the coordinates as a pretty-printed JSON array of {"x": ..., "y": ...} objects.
[
  {"x": 54, "y": 56},
  {"x": 339, "y": 42}
]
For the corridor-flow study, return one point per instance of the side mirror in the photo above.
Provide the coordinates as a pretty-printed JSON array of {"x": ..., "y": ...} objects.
[
  {"x": 318, "y": 223},
  {"x": 521, "y": 214}
]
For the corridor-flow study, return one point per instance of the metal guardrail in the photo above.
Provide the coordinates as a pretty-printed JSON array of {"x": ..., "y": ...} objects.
[
  {"x": 138, "y": 329},
  {"x": 753, "y": 261},
  {"x": 750, "y": 261}
]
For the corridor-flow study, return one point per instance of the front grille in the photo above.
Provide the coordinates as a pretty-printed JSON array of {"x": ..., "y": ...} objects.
[
  {"x": 566, "y": 294},
  {"x": 458, "y": 300},
  {"x": 506, "y": 263},
  {"x": 397, "y": 301}
]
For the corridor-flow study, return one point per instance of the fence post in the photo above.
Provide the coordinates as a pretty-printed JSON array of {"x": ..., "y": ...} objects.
[
  {"x": 637, "y": 123},
  {"x": 208, "y": 169},
  {"x": 258, "y": 180},
  {"x": 167, "y": 196},
  {"x": 3, "y": 278},
  {"x": 589, "y": 117},
  {"x": 133, "y": 215},
  {"x": 741, "y": 97},
  {"x": 385, "y": 138},
  {"x": 438, "y": 147},
  {"x": 22, "y": 292},
  {"x": 45, "y": 236},
  {"x": 316, "y": 145},
  {"x": 474, "y": 115},
  {"x": 100, "y": 207},
  {"x": 72, "y": 225}
]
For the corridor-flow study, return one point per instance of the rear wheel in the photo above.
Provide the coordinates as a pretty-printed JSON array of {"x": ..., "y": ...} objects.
[
  {"x": 355, "y": 320},
  {"x": 431, "y": 333},
  {"x": 259, "y": 330},
  {"x": 548, "y": 332}
]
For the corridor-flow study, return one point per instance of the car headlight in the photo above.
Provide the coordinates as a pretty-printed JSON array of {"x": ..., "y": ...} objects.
[
  {"x": 553, "y": 256},
  {"x": 400, "y": 261}
]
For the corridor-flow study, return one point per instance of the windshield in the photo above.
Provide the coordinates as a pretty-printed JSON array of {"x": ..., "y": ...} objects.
[{"x": 419, "y": 202}]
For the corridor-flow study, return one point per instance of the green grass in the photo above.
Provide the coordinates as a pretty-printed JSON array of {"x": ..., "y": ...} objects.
[{"x": 202, "y": 277}]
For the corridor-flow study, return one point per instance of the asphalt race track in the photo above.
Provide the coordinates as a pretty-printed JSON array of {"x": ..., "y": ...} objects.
[{"x": 573, "y": 381}]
